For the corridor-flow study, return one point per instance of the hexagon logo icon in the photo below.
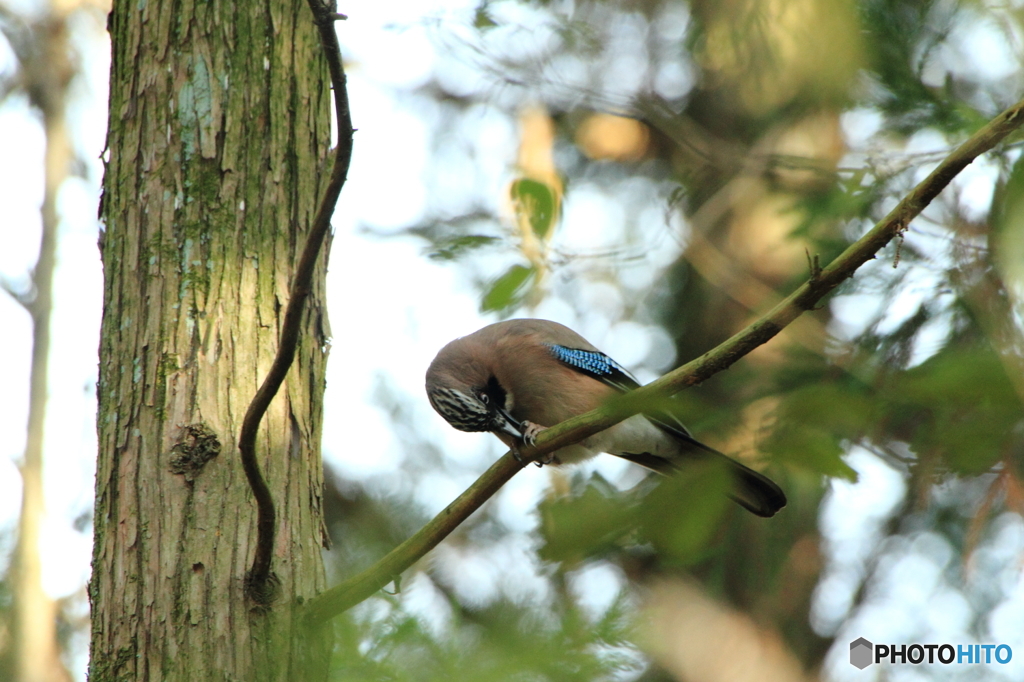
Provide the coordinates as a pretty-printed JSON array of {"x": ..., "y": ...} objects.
[{"x": 861, "y": 653}]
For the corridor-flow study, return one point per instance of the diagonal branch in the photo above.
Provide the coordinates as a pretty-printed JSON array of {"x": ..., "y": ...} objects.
[
  {"x": 354, "y": 590},
  {"x": 259, "y": 585}
]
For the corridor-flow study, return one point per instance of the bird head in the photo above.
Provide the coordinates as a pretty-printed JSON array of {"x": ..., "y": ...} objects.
[{"x": 463, "y": 390}]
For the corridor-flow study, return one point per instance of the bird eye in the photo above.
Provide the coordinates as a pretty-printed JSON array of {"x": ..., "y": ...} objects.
[{"x": 484, "y": 398}]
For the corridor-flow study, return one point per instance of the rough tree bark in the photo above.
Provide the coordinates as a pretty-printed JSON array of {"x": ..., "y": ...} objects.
[{"x": 218, "y": 131}]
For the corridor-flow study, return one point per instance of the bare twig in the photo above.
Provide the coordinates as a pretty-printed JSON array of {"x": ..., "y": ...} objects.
[
  {"x": 44, "y": 73},
  {"x": 813, "y": 266},
  {"x": 354, "y": 590},
  {"x": 259, "y": 581}
]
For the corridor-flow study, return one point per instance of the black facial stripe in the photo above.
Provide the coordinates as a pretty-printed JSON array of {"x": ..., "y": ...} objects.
[{"x": 496, "y": 393}]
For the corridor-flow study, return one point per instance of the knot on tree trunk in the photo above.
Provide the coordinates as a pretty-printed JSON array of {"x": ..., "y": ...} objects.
[{"x": 198, "y": 445}]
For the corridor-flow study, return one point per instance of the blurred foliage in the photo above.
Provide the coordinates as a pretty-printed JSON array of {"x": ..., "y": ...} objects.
[
  {"x": 739, "y": 140},
  {"x": 675, "y": 519},
  {"x": 959, "y": 405},
  {"x": 507, "y": 291},
  {"x": 500, "y": 641}
]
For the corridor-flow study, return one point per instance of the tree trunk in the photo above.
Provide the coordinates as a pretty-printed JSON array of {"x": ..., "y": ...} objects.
[{"x": 218, "y": 126}]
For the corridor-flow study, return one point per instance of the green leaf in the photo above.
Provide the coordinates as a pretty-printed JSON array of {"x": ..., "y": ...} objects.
[
  {"x": 1008, "y": 226},
  {"x": 538, "y": 201},
  {"x": 482, "y": 19},
  {"x": 505, "y": 291},
  {"x": 681, "y": 515},
  {"x": 678, "y": 515},
  {"x": 813, "y": 422},
  {"x": 811, "y": 448},
  {"x": 580, "y": 527},
  {"x": 451, "y": 248},
  {"x": 960, "y": 404}
]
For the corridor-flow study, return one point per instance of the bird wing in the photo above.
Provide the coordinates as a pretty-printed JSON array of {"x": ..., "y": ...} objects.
[
  {"x": 597, "y": 365},
  {"x": 753, "y": 490}
]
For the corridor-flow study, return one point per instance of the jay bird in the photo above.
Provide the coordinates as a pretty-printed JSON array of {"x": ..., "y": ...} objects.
[{"x": 516, "y": 378}]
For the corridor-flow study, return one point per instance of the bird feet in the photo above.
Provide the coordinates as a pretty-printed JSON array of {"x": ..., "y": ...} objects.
[{"x": 530, "y": 433}]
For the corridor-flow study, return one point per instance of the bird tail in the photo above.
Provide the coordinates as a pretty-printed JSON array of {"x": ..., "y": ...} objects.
[{"x": 752, "y": 490}]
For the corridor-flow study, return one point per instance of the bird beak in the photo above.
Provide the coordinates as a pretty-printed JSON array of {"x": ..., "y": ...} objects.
[{"x": 506, "y": 423}]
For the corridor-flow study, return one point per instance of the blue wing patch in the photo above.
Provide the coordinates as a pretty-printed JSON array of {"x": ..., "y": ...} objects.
[
  {"x": 596, "y": 364},
  {"x": 601, "y": 367}
]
